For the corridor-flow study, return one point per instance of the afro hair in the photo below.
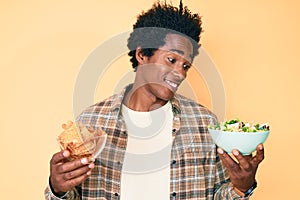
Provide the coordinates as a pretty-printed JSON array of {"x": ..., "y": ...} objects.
[{"x": 152, "y": 26}]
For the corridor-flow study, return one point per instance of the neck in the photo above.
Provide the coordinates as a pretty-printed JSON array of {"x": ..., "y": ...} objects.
[{"x": 140, "y": 99}]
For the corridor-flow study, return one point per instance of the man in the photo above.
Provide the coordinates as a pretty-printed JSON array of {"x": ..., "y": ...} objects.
[{"x": 148, "y": 118}]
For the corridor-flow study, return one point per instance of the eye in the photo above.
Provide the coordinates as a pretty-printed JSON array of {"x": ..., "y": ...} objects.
[
  {"x": 172, "y": 60},
  {"x": 186, "y": 67}
]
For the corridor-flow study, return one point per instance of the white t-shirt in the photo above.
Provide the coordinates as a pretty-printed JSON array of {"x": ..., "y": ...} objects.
[{"x": 146, "y": 171}]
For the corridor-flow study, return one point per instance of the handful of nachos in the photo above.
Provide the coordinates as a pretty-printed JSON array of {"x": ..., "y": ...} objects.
[{"x": 80, "y": 141}]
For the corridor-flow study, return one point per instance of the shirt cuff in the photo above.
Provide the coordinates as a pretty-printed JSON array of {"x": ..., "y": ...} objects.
[
  {"x": 238, "y": 194},
  {"x": 52, "y": 193}
]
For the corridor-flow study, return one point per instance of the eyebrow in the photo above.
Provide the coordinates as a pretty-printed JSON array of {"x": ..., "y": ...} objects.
[{"x": 180, "y": 52}]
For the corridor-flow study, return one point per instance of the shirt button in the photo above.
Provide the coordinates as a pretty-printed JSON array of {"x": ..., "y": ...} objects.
[
  {"x": 174, "y": 194},
  {"x": 116, "y": 194},
  {"x": 174, "y": 130},
  {"x": 173, "y": 162}
]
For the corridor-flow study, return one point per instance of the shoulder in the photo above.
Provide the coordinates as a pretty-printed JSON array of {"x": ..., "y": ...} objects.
[
  {"x": 191, "y": 107},
  {"x": 101, "y": 111},
  {"x": 103, "y": 106}
]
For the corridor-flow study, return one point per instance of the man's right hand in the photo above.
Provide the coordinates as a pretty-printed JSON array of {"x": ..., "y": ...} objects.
[{"x": 65, "y": 174}]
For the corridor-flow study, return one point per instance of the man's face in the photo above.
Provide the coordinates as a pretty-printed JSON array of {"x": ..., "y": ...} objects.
[{"x": 163, "y": 72}]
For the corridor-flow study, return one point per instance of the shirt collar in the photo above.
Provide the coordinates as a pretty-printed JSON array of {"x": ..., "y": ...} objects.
[
  {"x": 175, "y": 104},
  {"x": 116, "y": 104}
]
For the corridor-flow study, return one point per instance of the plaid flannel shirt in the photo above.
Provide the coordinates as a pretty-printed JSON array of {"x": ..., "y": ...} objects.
[{"x": 196, "y": 169}]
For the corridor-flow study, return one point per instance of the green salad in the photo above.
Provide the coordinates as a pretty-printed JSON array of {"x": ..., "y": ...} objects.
[{"x": 236, "y": 125}]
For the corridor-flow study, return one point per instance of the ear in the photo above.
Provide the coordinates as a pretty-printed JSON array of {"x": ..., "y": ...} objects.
[{"x": 142, "y": 59}]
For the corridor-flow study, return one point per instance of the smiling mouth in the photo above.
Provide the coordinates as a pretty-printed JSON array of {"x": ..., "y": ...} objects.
[{"x": 173, "y": 85}]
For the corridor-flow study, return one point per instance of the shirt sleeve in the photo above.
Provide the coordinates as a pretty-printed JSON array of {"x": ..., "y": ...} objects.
[
  {"x": 72, "y": 194},
  {"x": 223, "y": 189},
  {"x": 226, "y": 192}
]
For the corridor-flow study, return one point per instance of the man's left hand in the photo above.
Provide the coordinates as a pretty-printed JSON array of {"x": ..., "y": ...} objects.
[{"x": 242, "y": 173}]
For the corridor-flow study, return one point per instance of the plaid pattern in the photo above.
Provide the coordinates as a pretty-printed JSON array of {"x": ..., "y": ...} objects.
[{"x": 196, "y": 169}]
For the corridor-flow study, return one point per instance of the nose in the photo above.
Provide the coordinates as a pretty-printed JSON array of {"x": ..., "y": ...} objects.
[{"x": 179, "y": 71}]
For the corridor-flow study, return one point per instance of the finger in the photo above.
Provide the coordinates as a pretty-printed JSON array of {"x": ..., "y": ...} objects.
[
  {"x": 72, "y": 165},
  {"x": 78, "y": 172},
  {"x": 76, "y": 181},
  {"x": 244, "y": 161},
  {"x": 59, "y": 157},
  {"x": 231, "y": 166},
  {"x": 260, "y": 154},
  {"x": 66, "y": 185}
]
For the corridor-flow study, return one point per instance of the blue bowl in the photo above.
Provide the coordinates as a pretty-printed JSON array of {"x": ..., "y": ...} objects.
[{"x": 245, "y": 142}]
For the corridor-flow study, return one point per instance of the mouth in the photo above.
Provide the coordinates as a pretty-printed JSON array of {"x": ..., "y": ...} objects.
[{"x": 173, "y": 85}]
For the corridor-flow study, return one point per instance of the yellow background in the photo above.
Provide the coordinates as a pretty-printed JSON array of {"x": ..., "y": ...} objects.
[{"x": 254, "y": 43}]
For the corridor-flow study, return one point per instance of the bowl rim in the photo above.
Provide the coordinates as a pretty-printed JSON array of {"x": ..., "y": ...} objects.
[{"x": 242, "y": 133}]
